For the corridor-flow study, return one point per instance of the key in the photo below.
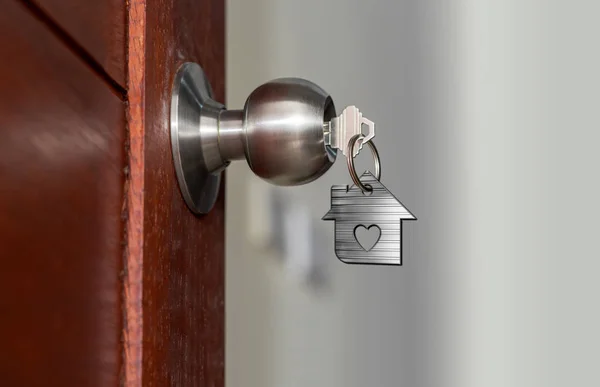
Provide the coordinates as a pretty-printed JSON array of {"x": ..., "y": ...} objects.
[{"x": 340, "y": 130}]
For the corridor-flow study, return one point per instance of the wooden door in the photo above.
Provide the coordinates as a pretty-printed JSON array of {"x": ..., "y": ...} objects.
[{"x": 107, "y": 279}]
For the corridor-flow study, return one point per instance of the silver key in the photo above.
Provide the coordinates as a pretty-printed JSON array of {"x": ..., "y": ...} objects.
[{"x": 342, "y": 128}]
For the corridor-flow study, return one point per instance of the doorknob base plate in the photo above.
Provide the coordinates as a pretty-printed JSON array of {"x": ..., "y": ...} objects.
[{"x": 195, "y": 151}]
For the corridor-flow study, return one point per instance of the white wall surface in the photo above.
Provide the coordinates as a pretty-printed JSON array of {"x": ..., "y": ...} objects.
[{"x": 488, "y": 127}]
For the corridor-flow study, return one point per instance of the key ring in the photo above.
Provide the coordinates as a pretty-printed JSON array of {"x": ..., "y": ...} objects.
[{"x": 350, "y": 159}]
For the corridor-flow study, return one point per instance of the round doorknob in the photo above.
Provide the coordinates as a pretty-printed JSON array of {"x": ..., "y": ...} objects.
[
  {"x": 283, "y": 131},
  {"x": 280, "y": 132}
]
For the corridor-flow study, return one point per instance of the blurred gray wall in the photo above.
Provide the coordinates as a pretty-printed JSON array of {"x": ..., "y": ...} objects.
[{"x": 488, "y": 123}]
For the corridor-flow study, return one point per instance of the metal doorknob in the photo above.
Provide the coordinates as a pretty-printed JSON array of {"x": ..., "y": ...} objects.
[{"x": 280, "y": 133}]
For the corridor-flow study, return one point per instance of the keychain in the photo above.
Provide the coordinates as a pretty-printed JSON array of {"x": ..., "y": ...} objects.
[{"x": 366, "y": 206}]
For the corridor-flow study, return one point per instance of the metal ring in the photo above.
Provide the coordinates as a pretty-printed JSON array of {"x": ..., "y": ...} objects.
[{"x": 350, "y": 159}]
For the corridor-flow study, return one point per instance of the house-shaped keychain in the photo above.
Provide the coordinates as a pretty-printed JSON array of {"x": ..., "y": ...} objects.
[{"x": 377, "y": 211}]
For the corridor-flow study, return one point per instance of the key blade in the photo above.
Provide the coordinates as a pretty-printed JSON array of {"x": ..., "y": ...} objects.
[{"x": 341, "y": 129}]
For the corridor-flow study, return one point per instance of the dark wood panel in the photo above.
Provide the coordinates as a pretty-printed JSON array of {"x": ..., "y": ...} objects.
[
  {"x": 61, "y": 172},
  {"x": 98, "y": 26},
  {"x": 182, "y": 262}
]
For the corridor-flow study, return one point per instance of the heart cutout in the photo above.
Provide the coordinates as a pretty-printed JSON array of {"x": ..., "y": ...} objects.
[{"x": 367, "y": 237}]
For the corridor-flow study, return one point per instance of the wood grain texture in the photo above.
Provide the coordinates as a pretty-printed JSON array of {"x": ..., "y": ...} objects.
[
  {"x": 182, "y": 259},
  {"x": 61, "y": 167},
  {"x": 134, "y": 211},
  {"x": 99, "y": 26}
]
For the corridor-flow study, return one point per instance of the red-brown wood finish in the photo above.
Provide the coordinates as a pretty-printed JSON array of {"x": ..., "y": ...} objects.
[
  {"x": 108, "y": 279},
  {"x": 98, "y": 26},
  {"x": 175, "y": 332},
  {"x": 61, "y": 193}
]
